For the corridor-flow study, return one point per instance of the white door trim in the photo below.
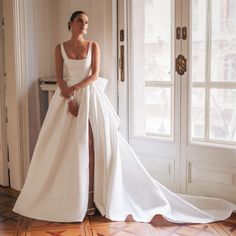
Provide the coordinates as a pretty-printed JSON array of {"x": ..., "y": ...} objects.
[
  {"x": 4, "y": 180},
  {"x": 21, "y": 85},
  {"x": 18, "y": 130},
  {"x": 122, "y": 93}
]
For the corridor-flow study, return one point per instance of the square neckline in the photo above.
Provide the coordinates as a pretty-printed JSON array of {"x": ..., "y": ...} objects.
[{"x": 82, "y": 59}]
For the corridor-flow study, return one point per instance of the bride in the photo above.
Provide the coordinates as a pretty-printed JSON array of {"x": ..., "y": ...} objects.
[{"x": 82, "y": 163}]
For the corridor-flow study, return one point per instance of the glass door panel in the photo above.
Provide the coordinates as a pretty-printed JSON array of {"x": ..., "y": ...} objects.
[
  {"x": 208, "y": 98},
  {"x": 152, "y": 107},
  {"x": 152, "y": 89},
  {"x": 213, "y": 71},
  {"x": 182, "y": 128}
]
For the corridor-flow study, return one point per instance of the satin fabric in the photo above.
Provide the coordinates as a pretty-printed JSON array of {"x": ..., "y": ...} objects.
[{"x": 56, "y": 186}]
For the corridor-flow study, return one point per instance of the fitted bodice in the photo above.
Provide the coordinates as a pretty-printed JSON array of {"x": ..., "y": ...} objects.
[{"x": 78, "y": 69}]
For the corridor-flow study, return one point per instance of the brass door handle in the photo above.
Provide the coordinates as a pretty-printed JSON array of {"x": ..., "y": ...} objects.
[
  {"x": 184, "y": 33},
  {"x": 122, "y": 63},
  {"x": 181, "y": 64},
  {"x": 181, "y": 33},
  {"x": 178, "y": 33}
]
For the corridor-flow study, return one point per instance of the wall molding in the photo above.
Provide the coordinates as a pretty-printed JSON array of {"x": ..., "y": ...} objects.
[{"x": 21, "y": 91}]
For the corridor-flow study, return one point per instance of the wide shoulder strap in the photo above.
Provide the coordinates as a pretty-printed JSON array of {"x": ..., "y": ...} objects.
[
  {"x": 63, "y": 53},
  {"x": 90, "y": 48}
]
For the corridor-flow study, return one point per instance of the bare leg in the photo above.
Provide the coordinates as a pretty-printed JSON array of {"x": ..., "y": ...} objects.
[{"x": 91, "y": 206}]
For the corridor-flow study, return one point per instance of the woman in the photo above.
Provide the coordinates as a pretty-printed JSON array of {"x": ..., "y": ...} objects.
[
  {"x": 79, "y": 26},
  {"x": 60, "y": 175}
]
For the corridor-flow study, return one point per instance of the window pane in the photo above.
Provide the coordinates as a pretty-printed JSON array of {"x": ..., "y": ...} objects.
[
  {"x": 223, "y": 114},
  {"x": 158, "y": 111},
  {"x": 152, "y": 47},
  {"x": 157, "y": 40},
  {"x": 198, "y": 40},
  {"x": 198, "y": 113},
  {"x": 213, "y": 60},
  {"x": 223, "y": 61}
]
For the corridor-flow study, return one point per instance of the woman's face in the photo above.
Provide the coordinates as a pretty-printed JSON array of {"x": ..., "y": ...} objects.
[{"x": 80, "y": 24}]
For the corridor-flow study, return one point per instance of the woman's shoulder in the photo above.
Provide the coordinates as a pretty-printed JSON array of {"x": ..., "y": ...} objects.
[
  {"x": 58, "y": 46},
  {"x": 94, "y": 44},
  {"x": 64, "y": 43},
  {"x": 58, "y": 49}
]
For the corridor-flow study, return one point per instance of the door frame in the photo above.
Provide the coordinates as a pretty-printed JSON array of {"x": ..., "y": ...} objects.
[
  {"x": 168, "y": 162},
  {"x": 196, "y": 160},
  {"x": 214, "y": 176},
  {"x": 16, "y": 89},
  {"x": 122, "y": 91},
  {"x": 4, "y": 179}
]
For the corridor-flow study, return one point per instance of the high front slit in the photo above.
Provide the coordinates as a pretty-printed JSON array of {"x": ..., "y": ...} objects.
[{"x": 91, "y": 205}]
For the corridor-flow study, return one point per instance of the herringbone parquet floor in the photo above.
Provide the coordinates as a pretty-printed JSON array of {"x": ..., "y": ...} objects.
[{"x": 14, "y": 224}]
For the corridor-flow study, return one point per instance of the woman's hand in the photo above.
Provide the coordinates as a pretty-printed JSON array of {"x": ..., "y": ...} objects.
[
  {"x": 67, "y": 92},
  {"x": 73, "y": 108}
]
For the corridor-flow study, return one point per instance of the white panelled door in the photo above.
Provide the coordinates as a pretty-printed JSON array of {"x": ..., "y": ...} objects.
[
  {"x": 149, "y": 96},
  {"x": 208, "y": 106},
  {"x": 177, "y": 91}
]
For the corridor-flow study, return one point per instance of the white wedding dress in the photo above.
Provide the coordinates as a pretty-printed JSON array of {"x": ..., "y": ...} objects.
[{"x": 56, "y": 186}]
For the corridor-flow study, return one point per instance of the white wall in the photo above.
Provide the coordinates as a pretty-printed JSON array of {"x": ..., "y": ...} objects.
[{"x": 46, "y": 26}]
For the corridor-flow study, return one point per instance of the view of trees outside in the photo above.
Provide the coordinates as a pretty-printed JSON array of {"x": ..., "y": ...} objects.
[{"x": 214, "y": 70}]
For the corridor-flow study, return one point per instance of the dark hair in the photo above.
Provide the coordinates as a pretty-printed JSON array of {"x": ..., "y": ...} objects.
[{"x": 73, "y": 16}]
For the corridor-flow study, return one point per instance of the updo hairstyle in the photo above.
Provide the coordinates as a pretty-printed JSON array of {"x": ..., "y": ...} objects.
[{"x": 73, "y": 16}]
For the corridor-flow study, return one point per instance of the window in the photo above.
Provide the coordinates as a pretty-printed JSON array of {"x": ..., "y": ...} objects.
[{"x": 213, "y": 110}]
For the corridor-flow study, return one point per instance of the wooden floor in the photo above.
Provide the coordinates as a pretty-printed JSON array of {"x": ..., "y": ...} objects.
[{"x": 14, "y": 224}]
